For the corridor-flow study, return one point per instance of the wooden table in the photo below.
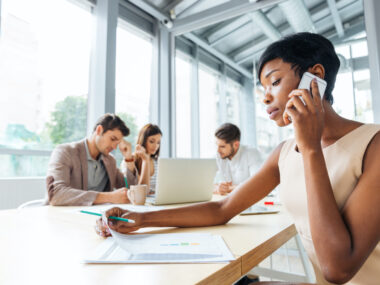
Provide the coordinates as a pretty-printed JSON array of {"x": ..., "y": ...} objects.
[{"x": 46, "y": 245}]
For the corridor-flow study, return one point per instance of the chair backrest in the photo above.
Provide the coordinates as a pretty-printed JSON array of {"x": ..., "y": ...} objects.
[
  {"x": 33, "y": 203},
  {"x": 16, "y": 191}
]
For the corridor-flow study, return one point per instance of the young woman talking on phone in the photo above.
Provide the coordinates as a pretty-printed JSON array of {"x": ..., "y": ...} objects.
[{"x": 331, "y": 166}]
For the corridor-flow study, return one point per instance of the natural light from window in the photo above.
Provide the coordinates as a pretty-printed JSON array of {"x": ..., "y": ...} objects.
[
  {"x": 44, "y": 78},
  {"x": 183, "y": 107},
  {"x": 133, "y": 77},
  {"x": 208, "y": 110}
]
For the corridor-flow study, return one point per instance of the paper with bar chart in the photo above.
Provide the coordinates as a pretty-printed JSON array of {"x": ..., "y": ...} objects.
[{"x": 161, "y": 248}]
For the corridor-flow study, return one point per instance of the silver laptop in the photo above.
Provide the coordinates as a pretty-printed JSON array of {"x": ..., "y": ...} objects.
[{"x": 181, "y": 180}]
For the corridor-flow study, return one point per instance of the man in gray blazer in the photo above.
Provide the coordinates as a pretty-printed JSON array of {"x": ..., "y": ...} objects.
[{"x": 85, "y": 173}]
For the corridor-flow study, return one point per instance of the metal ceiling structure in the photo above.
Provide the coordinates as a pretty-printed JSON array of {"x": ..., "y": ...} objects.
[{"x": 237, "y": 31}]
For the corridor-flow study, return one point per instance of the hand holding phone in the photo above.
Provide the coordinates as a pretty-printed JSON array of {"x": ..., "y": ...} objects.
[{"x": 305, "y": 83}]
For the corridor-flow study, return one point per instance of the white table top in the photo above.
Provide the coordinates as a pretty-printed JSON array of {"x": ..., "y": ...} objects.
[{"x": 47, "y": 245}]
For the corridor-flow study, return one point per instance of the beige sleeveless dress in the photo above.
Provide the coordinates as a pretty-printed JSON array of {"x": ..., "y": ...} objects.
[{"x": 344, "y": 164}]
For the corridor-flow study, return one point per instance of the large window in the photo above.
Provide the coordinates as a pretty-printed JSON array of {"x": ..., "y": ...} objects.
[
  {"x": 133, "y": 77},
  {"x": 44, "y": 78},
  {"x": 183, "y": 106},
  {"x": 233, "y": 92},
  {"x": 352, "y": 92},
  {"x": 218, "y": 102},
  {"x": 208, "y": 110},
  {"x": 363, "y": 98}
]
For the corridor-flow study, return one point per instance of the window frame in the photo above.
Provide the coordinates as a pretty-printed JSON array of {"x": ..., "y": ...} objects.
[
  {"x": 135, "y": 21},
  {"x": 83, "y": 4}
]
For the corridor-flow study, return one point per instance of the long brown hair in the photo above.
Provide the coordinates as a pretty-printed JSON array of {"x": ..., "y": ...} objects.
[{"x": 147, "y": 131}]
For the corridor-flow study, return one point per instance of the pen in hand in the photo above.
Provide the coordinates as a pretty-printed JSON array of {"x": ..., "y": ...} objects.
[{"x": 110, "y": 217}]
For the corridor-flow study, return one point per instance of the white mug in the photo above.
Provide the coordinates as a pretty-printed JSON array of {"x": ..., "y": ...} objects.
[{"x": 137, "y": 194}]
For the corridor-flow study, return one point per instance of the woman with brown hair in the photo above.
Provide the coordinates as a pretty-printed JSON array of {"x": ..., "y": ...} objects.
[{"x": 143, "y": 163}]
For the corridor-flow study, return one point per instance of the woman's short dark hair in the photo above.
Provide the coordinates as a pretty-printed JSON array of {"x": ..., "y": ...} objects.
[
  {"x": 302, "y": 51},
  {"x": 111, "y": 122},
  {"x": 228, "y": 132}
]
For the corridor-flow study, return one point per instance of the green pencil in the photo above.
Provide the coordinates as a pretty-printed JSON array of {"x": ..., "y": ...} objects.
[
  {"x": 126, "y": 182},
  {"x": 110, "y": 217}
]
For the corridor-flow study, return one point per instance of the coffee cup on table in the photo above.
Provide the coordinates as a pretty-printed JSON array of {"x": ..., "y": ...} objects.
[{"x": 137, "y": 194}]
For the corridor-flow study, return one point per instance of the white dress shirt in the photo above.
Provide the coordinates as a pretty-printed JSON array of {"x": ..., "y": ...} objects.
[{"x": 243, "y": 165}]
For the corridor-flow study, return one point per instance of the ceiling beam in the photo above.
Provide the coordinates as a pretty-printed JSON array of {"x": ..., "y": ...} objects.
[
  {"x": 218, "y": 54},
  {"x": 320, "y": 14},
  {"x": 260, "y": 43},
  {"x": 256, "y": 17},
  {"x": 225, "y": 28},
  {"x": 355, "y": 29},
  {"x": 213, "y": 31},
  {"x": 172, "y": 5},
  {"x": 259, "y": 18},
  {"x": 218, "y": 13},
  {"x": 336, "y": 18},
  {"x": 226, "y": 35},
  {"x": 297, "y": 15},
  {"x": 348, "y": 34},
  {"x": 152, "y": 10},
  {"x": 187, "y": 10},
  {"x": 248, "y": 50}
]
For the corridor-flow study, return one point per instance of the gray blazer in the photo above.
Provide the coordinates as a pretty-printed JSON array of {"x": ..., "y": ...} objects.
[{"x": 66, "y": 179}]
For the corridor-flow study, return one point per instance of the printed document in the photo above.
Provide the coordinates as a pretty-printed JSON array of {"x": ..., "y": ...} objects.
[{"x": 161, "y": 248}]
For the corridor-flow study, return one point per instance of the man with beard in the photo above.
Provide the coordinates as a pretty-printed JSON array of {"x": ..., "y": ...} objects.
[{"x": 236, "y": 162}]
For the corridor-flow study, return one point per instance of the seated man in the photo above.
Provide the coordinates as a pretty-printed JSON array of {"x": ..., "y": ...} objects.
[
  {"x": 84, "y": 172},
  {"x": 236, "y": 162}
]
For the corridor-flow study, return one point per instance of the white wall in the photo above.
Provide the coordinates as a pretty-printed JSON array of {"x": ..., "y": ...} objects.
[{"x": 14, "y": 192}]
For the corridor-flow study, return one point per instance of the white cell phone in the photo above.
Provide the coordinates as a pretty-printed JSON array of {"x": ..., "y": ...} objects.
[
  {"x": 305, "y": 82},
  {"x": 306, "y": 79}
]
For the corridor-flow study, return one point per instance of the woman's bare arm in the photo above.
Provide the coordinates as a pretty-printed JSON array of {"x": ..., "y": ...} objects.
[
  {"x": 144, "y": 175},
  {"x": 209, "y": 213},
  {"x": 343, "y": 241}
]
